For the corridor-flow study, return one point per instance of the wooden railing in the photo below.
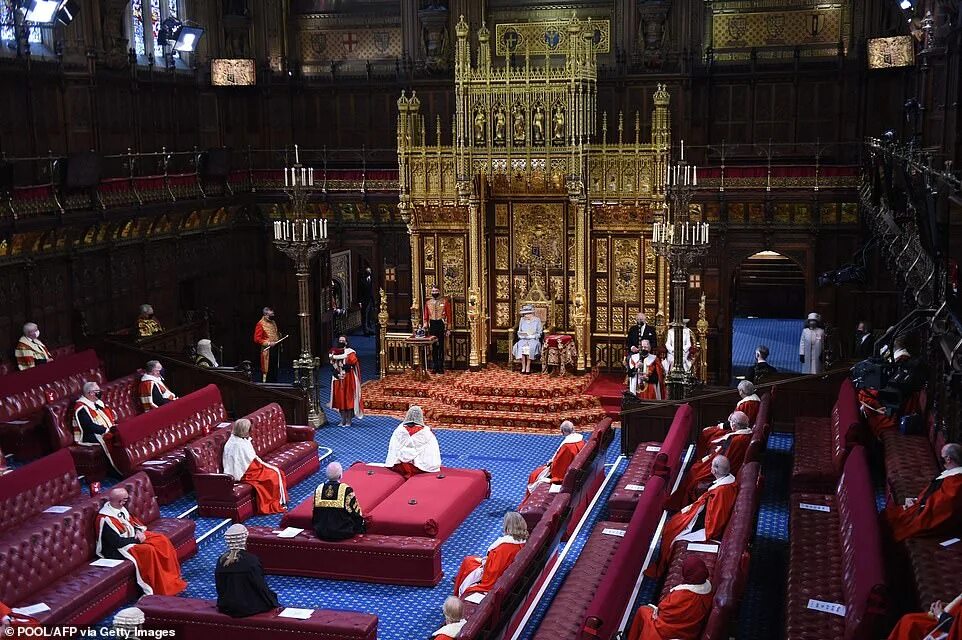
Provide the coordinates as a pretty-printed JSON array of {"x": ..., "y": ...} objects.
[{"x": 793, "y": 395}]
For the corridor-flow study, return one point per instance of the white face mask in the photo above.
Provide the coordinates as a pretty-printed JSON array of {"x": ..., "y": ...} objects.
[{"x": 36, "y": 334}]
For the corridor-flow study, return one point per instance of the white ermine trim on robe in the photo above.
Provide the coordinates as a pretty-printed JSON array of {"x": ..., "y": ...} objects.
[
  {"x": 452, "y": 629},
  {"x": 128, "y": 531},
  {"x": 92, "y": 410},
  {"x": 164, "y": 391},
  {"x": 545, "y": 475},
  {"x": 949, "y": 473},
  {"x": 752, "y": 398},
  {"x": 421, "y": 449},
  {"x": 702, "y": 589},
  {"x": 738, "y": 432},
  {"x": 650, "y": 360},
  {"x": 358, "y": 412},
  {"x": 239, "y": 454},
  {"x": 687, "y": 534}
]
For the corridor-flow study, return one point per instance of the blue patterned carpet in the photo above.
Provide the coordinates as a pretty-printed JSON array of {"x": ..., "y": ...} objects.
[{"x": 780, "y": 336}]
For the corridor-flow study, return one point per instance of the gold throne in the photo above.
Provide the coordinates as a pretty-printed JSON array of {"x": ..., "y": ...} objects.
[{"x": 543, "y": 310}]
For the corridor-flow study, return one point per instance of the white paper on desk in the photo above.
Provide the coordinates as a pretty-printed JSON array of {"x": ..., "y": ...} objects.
[
  {"x": 16, "y": 421},
  {"x": 827, "y": 607},
  {"x": 634, "y": 487},
  {"x": 294, "y": 612},
  {"x": 614, "y": 532},
  {"x": 374, "y": 464},
  {"x": 57, "y": 508},
  {"x": 33, "y": 609},
  {"x": 949, "y": 542},
  {"x": 814, "y": 507},
  {"x": 704, "y": 548},
  {"x": 476, "y": 598},
  {"x": 221, "y": 425},
  {"x": 106, "y": 562},
  {"x": 288, "y": 532},
  {"x": 653, "y": 449},
  {"x": 555, "y": 488},
  {"x": 151, "y": 463}
]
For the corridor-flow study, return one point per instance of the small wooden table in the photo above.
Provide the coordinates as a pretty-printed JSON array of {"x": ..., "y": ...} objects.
[
  {"x": 424, "y": 344},
  {"x": 559, "y": 351}
]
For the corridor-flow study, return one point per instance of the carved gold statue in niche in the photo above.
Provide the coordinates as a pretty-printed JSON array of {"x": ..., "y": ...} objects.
[
  {"x": 499, "y": 123},
  {"x": 479, "y": 122},
  {"x": 558, "y": 134},
  {"x": 519, "y": 136},
  {"x": 537, "y": 126}
]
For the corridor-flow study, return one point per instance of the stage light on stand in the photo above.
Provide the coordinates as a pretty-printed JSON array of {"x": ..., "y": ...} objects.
[
  {"x": 188, "y": 38},
  {"x": 41, "y": 11}
]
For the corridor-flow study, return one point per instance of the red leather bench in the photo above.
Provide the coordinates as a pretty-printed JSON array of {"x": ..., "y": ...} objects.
[
  {"x": 121, "y": 395},
  {"x": 729, "y": 565},
  {"x": 837, "y": 557},
  {"x": 154, "y": 442},
  {"x": 28, "y": 490},
  {"x": 911, "y": 461},
  {"x": 48, "y": 559},
  {"x": 516, "y": 583},
  {"x": 623, "y": 500},
  {"x": 407, "y": 560},
  {"x": 192, "y": 619},
  {"x": 23, "y": 395},
  {"x": 822, "y": 444},
  {"x": 576, "y": 478},
  {"x": 291, "y": 448},
  {"x": 10, "y": 366}
]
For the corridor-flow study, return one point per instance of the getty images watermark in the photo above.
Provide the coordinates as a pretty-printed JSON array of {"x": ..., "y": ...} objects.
[{"x": 67, "y": 631}]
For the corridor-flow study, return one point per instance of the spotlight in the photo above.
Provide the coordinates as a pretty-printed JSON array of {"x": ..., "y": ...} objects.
[
  {"x": 41, "y": 11},
  {"x": 187, "y": 39},
  {"x": 68, "y": 12},
  {"x": 906, "y": 4}
]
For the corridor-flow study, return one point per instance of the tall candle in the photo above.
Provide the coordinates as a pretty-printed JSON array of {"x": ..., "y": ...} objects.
[
  {"x": 683, "y": 149},
  {"x": 297, "y": 154},
  {"x": 695, "y": 175}
]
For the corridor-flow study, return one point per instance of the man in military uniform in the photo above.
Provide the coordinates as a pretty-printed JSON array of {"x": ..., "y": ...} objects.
[{"x": 437, "y": 322}]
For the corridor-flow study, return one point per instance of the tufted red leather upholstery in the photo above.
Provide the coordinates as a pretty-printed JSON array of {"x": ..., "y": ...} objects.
[
  {"x": 10, "y": 366},
  {"x": 534, "y": 506},
  {"x": 822, "y": 444},
  {"x": 28, "y": 490},
  {"x": 192, "y": 619},
  {"x": 518, "y": 580},
  {"x": 121, "y": 395},
  {"x": 46, "y": 559},
  {"x": 217, "y": 493},
  {"x": 910, "y": 463},
  {"x": 622, "y": 502},
  {"x": 161, "y": 435},
  {"x": 24, "y": 394},
  {"x": 837, "y": 557},
  {"x": 409, "y": 560},
  {"x": 936, "y": 569}
]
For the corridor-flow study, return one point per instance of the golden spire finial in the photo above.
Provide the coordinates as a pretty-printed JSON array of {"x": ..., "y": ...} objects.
[
  {"x": 414, "y": 102},
  {"x": 462, "y": 28},
  {"x": 661, "y": 96},
  {"x": 483, "y": 33},
  {"x": 402, "y": 102}
]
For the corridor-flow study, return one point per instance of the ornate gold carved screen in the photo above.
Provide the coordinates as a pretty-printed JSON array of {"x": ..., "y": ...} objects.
[{"x": 522, "y": 194}]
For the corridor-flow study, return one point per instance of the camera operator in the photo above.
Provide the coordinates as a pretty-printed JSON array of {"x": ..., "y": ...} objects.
[{"x": 889, "y": 392}]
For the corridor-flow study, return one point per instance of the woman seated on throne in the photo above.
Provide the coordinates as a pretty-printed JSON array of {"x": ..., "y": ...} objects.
[{"x": 528, "y": 346}]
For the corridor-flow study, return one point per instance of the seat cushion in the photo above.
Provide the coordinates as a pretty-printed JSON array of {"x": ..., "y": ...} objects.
[
  {"x": 623, "y": 499},
  {"x": 371, "y": 484},
  {"x": 290, "y": 457},
  {"x": 909, "y": 464},
  {"x": 28, "y": 490},
  {"x": 431, "y": 504},
  {"x": 166, "y": 467},
  {"x": 193, "y": 619},
  {"x": 76, "y": 597},
  {"x": 936, "y": 569},
  {"x": 813, "y": 470}
]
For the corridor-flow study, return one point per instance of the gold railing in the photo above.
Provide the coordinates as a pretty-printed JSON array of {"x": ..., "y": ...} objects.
[{"x": 396, "y": 355}]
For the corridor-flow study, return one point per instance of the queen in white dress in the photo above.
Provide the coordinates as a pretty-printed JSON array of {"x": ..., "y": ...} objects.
[{"x": 528, "y": 346}]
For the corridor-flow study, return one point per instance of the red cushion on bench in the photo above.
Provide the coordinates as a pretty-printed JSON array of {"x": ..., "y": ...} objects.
[
  {"x": 441, "y": 502},
  {"x": 193, "y": 619},
  {"x": 371, "y": 484}
]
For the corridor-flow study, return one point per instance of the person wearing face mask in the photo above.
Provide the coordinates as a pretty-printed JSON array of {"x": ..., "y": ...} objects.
[
  {"x": 241, "y": 462},
  {"x": 153, "y": 392},
  {"x": 266, "y": 335},
  {"x": 147, "y": 324},
  {"x": 811, "y": 344},
  {"x": 93, "y": 421},
  {"x": 122, "y": 536},
  {"x": 30, "y": 352},
  {"x": 346, "y": 383},
  {"x": 864, "y": 341},
  {"x": 437, "y": 321},
  {"x": 639, "y": 331},
  {"x": 651, "y": 372}
]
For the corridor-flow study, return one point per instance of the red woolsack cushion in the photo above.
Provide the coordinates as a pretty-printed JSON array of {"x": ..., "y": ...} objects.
[
  {"x": 371, "y": 484},
  {"x": 431, "y": 504}
]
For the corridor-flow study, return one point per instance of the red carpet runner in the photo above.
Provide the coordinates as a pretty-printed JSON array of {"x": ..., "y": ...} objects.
[{"x": 493, "y": 399}]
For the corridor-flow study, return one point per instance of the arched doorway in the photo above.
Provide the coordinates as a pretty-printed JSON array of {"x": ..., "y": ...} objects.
[{"x": 768, "y": 305}]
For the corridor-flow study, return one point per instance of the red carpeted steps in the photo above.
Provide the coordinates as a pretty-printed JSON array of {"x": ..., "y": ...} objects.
[{"x": 492, "y": 399}]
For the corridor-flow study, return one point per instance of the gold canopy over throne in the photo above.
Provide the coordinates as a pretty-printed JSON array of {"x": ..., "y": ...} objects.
[{"x": 520, "y": 197}]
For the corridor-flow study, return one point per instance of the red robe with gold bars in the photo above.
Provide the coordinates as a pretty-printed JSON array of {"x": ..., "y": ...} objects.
[
  {"x": 938, "y": 510},
  {"x": 153, "y": 390},
  {"x": 265, "y": 332},
  {"x": 681, "y": 614},
  {"x": 103, "y": 418},
  {"x": 155, "y": 560},
  {"x": 479, "y": 575},
  {"x": 346, "y": 391},
  {"x": 30, "y": 352},
  {"x": 704, "y": 519},
  {"x": 554, "y": 472}
]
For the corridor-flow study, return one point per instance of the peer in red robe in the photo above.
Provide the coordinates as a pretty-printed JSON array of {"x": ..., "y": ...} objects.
[
  {"x": 704, "y": 519},
  {"x": 682, "y": 613},
  {"x": 733, "y": 445},
  {"x": 413, "y": 447},
  {"x": 241, "y": 462},
  {"x": 121, "y": 536},
  {"x": 749, "y": 403},
  {"x": 554, "y": 471},
  {"x": 938, "y": 509},
  {"x": 479, "y": 575},
  {"x": 654, "y": 374},
  {"x": 152, "y": 388},
  {"x": 10, "y": 619},
  {"x": 940, "y": 619},
  {"x": 346, "y": 383},
  {"x": 453, "y": 619}
]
